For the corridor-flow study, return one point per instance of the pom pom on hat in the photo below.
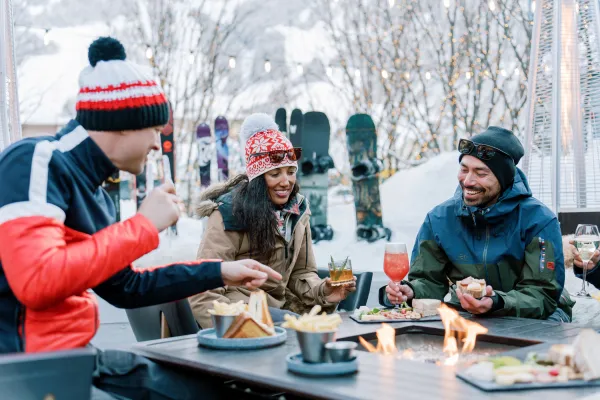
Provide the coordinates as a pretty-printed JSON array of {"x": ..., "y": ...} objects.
[
  {"x": 105, "y": 49},
  {"x": 254, "y": 123}
]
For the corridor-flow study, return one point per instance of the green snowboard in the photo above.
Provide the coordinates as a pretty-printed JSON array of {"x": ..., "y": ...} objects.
[
  {"x": 361, "y": 138},
  {"x": 281, "y": 121}
]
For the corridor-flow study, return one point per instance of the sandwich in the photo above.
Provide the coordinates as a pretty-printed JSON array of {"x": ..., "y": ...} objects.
[
  {"x": 245, "y": 326},
  {"x": 254, "y": 323},
  {"x": 472, "y": 286},
  {"x": 426, "y": 307}
]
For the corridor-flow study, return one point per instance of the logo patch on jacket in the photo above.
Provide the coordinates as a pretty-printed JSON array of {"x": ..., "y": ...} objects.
[{"x": 550, "y": 266}]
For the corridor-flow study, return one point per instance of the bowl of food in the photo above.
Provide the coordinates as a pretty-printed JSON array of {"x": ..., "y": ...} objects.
[
  {"x": 314, "y": 331},
  {"x": 223, "y": 315}
]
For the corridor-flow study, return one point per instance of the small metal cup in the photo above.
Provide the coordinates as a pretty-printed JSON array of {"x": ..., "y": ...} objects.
[
  {"x": 312, "y": 345},
  {"x": 221, "y": 323},
  {"x": 340, "y": 351}
]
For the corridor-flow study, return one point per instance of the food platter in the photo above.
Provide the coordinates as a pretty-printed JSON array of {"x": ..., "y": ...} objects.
[{"x": 364, "y": 315}]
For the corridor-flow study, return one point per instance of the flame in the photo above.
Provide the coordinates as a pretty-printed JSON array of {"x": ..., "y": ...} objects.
[
  {"x": 386, "y": 341},
  {"x": 456, "y": 327}
]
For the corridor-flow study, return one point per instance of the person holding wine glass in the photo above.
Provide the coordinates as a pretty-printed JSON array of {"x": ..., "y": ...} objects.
[
  {"x": 587, "y": 256},
  {"x": 491, "y": 229}
]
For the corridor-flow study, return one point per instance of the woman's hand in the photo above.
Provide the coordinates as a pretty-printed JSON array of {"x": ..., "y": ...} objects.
[{"x": 335, "y": 294}]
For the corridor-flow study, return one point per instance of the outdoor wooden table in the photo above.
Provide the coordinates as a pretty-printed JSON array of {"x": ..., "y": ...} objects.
[{"x": 379, "y": 376}]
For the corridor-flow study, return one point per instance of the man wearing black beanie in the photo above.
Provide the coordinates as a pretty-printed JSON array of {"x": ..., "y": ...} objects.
[{"x": 492, "y": 229}]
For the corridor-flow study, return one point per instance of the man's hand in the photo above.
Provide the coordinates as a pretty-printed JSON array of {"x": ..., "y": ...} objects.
[
  {"x": 578, "y": 262},
  {"x": 335, "y": 294},
  {"x": 248, "y": 273},
  {"x": 161, "y": 207},
  {"x": 474, "y": 306},
  {"x": 398, "y": 294}
]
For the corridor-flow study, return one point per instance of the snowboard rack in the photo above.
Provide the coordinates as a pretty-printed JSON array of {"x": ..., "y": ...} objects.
[
  {"x": 373, "y": 233},
  {"x": 366, "y": 169},
  {"x": 321, "y": 232}
]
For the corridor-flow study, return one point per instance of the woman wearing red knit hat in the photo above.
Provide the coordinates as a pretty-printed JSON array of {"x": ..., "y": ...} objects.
[{"x": 261, "y": 215}]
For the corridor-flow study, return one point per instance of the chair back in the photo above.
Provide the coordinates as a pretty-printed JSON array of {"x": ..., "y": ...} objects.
[
  {"x": 360, "y": 296},
  {"x": 146, "y": 322}
]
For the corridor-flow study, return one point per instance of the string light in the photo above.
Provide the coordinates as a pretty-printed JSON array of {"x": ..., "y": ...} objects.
[
  {"x": 191, "y": 58},
  {"x": 533, "y": 6},
  {"x": 517, "y": 71},
  {"x": 149, "y": 52},
  {"x": 447, "y": 3},
  {"x": 503, "y": 72},
  {"x": 391, "y": 3},
  {"x": 300, "y": 69},
  {"x": 232, "y": 62},
  {"x": 267, "y": 66},
  {"x": 47, "y": 37},
  {"x": 468, "y": 74},
  {"x": 428, "y": 75},
  {"x": 384, "y": 74},
  {"x": 357, "y": 73},
  {"x": 407, "y": 75},
  {"x": 492, "y": 5},
  {"x": 329, "y": 71}
]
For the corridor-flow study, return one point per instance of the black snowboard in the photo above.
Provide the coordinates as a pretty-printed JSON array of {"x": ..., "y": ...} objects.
[
  {"x": 296, "y": 126},
  {"x": 314, "y": 170},
  {"x": 362, "y": 149},
  {"x": 281, "y": 121},
  {"x": 140, "y": 188},
  {"x": 168, "y": 149}
]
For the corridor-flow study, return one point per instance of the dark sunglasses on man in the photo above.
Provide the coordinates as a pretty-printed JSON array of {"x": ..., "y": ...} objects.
[
  {"x": 483, "y": 151},
  {"x": 277, "y": 156}
]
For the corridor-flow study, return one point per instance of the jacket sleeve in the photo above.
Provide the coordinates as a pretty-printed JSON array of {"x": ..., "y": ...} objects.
[
  {"x": 537, "y": 292},
  {"x": 215, "y": 243},
  {"x": 304, "y": 281},
  {"x": 427, "y": 276}
]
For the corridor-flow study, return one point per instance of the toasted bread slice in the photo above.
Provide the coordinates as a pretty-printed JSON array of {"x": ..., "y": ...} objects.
[
  {"x": 259, "y": 309},
  {"x": 244, "y": 326}
]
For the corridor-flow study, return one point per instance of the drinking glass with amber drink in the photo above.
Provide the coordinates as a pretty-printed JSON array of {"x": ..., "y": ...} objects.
[{"x": 340, "y": 272}]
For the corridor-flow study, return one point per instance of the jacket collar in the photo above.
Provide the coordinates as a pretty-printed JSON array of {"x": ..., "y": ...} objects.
[
  {"x": 296, "y": 207},
  {"x": 90, "y": 159}
]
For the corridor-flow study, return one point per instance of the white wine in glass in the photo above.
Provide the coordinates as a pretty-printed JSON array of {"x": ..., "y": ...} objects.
[{"x": 587, "y": 241}]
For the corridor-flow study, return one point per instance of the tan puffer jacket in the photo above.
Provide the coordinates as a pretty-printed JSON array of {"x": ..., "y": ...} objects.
[{"x": 299, "y": 290}]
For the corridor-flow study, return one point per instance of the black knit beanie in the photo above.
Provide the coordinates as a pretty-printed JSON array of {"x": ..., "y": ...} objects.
[{"x": 501, "y": 165}]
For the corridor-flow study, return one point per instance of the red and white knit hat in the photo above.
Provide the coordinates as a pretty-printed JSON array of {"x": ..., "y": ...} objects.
[
  {"x": 118, "y": 95},
  {"x": 261, "y": 134}
]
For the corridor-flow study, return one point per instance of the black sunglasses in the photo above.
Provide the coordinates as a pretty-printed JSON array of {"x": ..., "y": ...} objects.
[
  {"x": 277, "y": 156},
  {"x": 484, "y": 151}
]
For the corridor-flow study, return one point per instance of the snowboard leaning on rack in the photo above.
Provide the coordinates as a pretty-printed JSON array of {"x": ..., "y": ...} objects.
[
  {"x": 361, "y": 139},
  {"x": 314, "y": 172},
  {"x": 295, "y": 129},
  {"x": 221, "y": 135},
  {"x": 140, "y": 188},
  {"x": 113, "y": 187},
  {"x": 167, "y": 143},
  {"x": 205, "y": 153},
  {"x": 281, "y": 121}
]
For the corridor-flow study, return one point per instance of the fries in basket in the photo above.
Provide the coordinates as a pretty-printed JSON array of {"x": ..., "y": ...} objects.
[
  {"x": 312, "y": 322},
  {"x": 228, "y": 309}
]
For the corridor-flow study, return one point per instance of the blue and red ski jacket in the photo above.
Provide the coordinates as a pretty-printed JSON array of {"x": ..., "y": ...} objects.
[{"x": 59, "y": 239}]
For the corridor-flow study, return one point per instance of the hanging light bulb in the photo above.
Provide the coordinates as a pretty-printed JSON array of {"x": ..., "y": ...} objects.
[
  {"x": 191, "y": 57},
  {"x": 428, "y": 75},
  {"x": 447, "y": 3},
  {"x": 407, "y": 75},
  {"x": 300, "y": 68},
  {"x": 492, "y": 5},
  {"x": 533, "y": 6},
  {"x": 357, "y": 73},
  {"x": 231, "y": 62},
  {"x": 384, "y": 74},
  {"x": 267, "y": 66},
  {"x": 503, "y": 72},
  {"x": 468, "y": 74},
  {"x": 149, "y": 52},
  {"x": 329, "y": 71},
  {"x": 391, "y": 3},
  {"x": 47, "y": 37},
  {"x": 517, "y": 71}
]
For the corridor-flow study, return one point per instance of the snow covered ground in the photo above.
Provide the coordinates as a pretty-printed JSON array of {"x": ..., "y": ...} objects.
[{"x": 404, "y": 208}]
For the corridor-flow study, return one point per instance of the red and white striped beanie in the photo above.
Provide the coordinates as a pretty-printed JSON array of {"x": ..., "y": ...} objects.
[
  {"x": 116, "y": 94},
  {"x": 261, "y": 134}
]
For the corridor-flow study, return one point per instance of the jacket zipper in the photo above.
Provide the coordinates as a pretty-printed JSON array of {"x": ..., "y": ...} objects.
[{"x": 485, "y": 249}]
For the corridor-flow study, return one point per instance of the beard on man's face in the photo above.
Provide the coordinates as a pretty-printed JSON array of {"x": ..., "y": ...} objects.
[{"x": 478, "y": 196}]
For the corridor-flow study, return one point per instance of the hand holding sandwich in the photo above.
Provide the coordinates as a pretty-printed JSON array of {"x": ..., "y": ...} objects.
[
  {"x": 248, "y": 273},
  {"x": 475, "y": 306}
]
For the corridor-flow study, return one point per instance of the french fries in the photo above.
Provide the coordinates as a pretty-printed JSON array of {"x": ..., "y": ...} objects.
[
  {"x": 228, "y": 309},
  {"x": 312, "y": 322}
]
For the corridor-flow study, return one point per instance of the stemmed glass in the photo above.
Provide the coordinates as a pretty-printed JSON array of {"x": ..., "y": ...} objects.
[
  {"x": 587, "y": 240},
  {"x": 395, "y": 262}
]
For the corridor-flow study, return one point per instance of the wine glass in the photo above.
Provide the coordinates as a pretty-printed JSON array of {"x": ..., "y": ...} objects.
[
  {"x": 395, "y": 262},
  {"x": 587, "y": 240}
]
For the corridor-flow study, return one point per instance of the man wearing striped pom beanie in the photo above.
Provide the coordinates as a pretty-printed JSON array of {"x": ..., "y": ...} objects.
[{"x": 59, "y": 237}]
